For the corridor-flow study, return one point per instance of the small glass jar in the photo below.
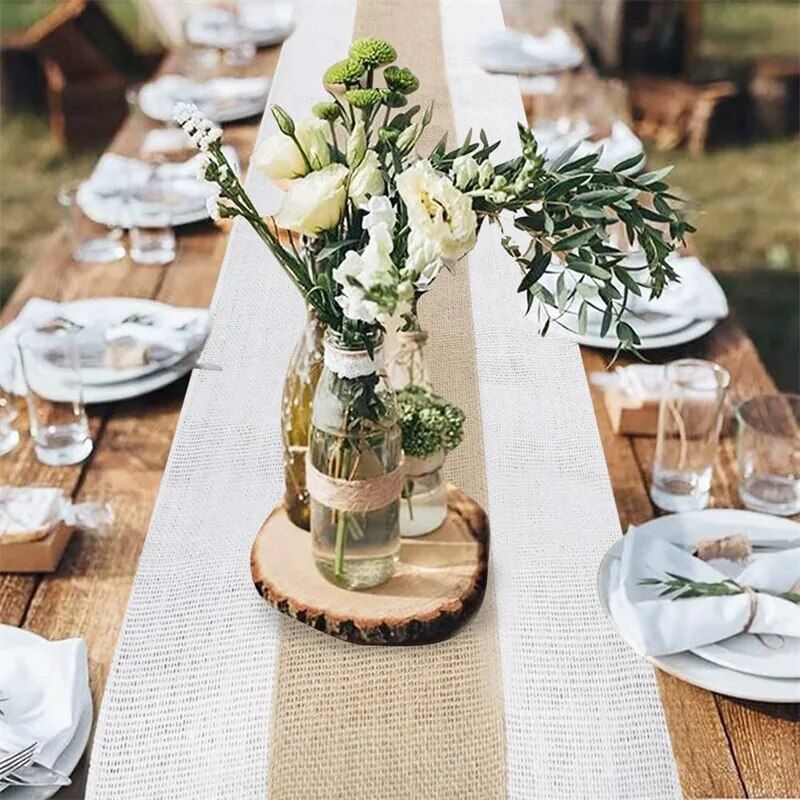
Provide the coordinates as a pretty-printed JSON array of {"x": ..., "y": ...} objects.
[
  {"x": 354, "y": 469},
  {"x": 302, "y": 375}
]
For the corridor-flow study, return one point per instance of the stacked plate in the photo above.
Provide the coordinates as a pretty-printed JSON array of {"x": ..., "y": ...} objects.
[
  {"x": 122, "y": 191},
  {"x": 220, "y": 99},
  {"x": 686, "y": 310},
  {"x": 261, "y": 23},
  {"x": 165, "y": 342},
  {"x": 47, "y": 701},
  {"x": 520, "y": 53},
  {"x": 762, "y": 667}
]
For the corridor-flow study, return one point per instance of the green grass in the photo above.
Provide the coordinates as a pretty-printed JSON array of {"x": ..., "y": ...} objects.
[{"x": 744, "y": 30}]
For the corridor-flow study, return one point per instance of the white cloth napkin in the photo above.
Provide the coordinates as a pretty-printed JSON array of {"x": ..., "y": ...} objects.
[
  {"x": 28, "y": 510},
  {"x": 165, "y": 320},
  {"x": 166, "y": 140},
  {"x": 259, "y": 22},
  {"x": 46, "y": 689},
  {"x": 124, "y": 191},
  {"x": 177, "y": 340},
  {"x": 512, "y": 51},
  {"x": 158, "y": 98},
  {"x": 622, "y": 144},
  {"x": 658, "y": 626}
]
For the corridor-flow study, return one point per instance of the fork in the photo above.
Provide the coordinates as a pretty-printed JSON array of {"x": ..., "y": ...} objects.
[{"x": 14, "y": 761}]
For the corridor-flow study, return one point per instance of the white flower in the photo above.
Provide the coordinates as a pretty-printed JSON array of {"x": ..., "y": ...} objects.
[
  {"x": 366, "y": 180},
  {"x": 465, "y": 170},
  {"x": 202, "y": 130},
  {"x": 203, "y": 163},
  {"x": 485, "y": 174},
  {"x": 423, "y": 262},
  {"x": 279, "y": 158},
  {"x": 379, "y": 212},
  {"x": 212, "y": 205},
  {"x": 314, "y": 203},
  {"x": 438, "y": 213}
]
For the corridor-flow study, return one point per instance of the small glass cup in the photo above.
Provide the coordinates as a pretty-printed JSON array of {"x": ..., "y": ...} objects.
[
  {"x": 152, "y": 237},
  {"x": 57, "y": 417},
  {"x": 689, "y": 420},
  {"x": 9, "y": 435},
  {"x": 91, "y": 242},
  {"x": 768, "y": 447}
]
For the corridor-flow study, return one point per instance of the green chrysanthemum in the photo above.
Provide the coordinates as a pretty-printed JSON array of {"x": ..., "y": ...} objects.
[
  {"x": 401, "y": 79},
  {"x": 363, "y": 98},
  {"x": 327, "y": 111},
  {"x": 394, "y": 99},
  {"x": 345, "y": 72},
  {"x": 429, "y": 424},
  {"x": 372, "y": 52}
]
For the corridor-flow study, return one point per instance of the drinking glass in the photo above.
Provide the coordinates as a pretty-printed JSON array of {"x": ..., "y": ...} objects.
[
  {"x": 768, "y": 447},
  {"x": 152, "y": 237},
  {"x": 57, "y": 417},
  {"x": 9, "y": 435},
  {"x": 91, "y": 242},
  {"x": 689, "y": 420}
]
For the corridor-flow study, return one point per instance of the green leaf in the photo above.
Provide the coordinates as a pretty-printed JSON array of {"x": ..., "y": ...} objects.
[
  {"x": 600, "y": 196},
  {"x": 586, "y": 290},
  {"x": 606, "y": 323},
  {"x": 585, "y": 162},
  {"x": 562, "y": 187},
  {"x": 628, "y": 163},
  {"x": 587, "y": 268},
  {"x": 628, "y": 280},
  {"x": 575, "y": 239},
  {"x": 654, "y": 176},
  {"x": 587, "y": 212},
  {"x": 582, "y": 318},
  {"x": 626, "y": 334}
]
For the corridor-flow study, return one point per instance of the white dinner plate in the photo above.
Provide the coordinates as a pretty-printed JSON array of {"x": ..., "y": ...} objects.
[
  {"x": 694, "y": 330},
  {"x": 772, "y": 656},
  {"x": 689, "y": 666},
  {"x": 264, "y": 25}
]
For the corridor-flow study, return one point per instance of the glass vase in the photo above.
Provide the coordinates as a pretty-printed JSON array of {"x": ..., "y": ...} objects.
[
  {"x": 424, "y": 498},
  {"x": 302, "y": 376},
  {"x": 354, "y": 469}
]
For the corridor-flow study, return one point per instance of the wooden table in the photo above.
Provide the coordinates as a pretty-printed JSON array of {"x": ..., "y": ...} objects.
[{"x": 723, "y": 748}]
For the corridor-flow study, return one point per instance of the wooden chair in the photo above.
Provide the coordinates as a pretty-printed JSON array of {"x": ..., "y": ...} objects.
[
  {"x": 673, "y": 112},
  {"x": 87, "y": 64}
]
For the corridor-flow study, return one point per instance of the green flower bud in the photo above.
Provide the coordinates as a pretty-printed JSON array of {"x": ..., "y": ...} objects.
[
  {"x": 388, "y": 135},
  {"x": 395, "y": 99},
  {"x": 485, "y": 174},
  {"x": 327, "y": 111},
  {"x": 372, "y": 52},
  {"x": 363, "y": 98},
  {"x": 408, "y": 137},
  {"x": 401, "y": 79},
  {"x": 356, "y": 146},
  {"x": 285, "y": 122},
  {"x": 344, "y": 73}
]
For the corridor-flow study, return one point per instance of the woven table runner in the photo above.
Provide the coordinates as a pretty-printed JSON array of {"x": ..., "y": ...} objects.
[{"x": 212, "y": 694}]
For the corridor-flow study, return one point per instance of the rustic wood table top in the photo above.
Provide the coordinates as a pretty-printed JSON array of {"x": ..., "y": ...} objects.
[{"x": 723, "y": 747}]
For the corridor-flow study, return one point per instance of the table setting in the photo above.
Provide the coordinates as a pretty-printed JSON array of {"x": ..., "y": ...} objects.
[
  {"x": 260, "y": 23},
  {"x": 522, "y": 53},
  {"x": 223, "y": 99},
  {"x": 46, "y": 712},
  {"x": 381, "y": 519}
]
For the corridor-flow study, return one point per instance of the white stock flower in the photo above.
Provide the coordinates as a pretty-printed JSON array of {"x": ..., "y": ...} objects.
[
  {"x": 379, "y": 212},
  {"x": 465, "y": 170},
  {"x": 438, "y": 213},
  {"x": 314, "y": 203},
  {"x": 485, "y": 174},
  {"x": 423, "y": 262},
  {"x": 366, "y": 180},
  {"x": 279, "y": 158},
  {"x": 203, "y": 131}
]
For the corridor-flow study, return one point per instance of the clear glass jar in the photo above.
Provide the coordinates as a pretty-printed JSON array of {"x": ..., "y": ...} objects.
[
  {"x": 424, "y": 506},
  {"x": 302, "y": 376},
  {"x": 355, "y": 452}
]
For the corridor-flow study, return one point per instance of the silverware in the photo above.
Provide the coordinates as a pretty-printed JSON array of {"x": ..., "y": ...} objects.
[
  {"x": 14, "y": 761},
  {"x": 37, "y": 775}
]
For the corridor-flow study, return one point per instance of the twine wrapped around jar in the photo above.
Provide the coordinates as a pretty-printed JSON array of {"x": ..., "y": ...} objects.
[{"x": 356, "y": 497}]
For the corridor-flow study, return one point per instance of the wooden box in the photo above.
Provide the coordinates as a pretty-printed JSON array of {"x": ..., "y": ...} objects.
[{"x": 41, "y": 555}]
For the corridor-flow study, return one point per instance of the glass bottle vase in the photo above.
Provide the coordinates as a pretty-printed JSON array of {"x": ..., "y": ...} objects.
[
  {"x": 424, "y": 498},
  {"x": 354, "y": 470},
  {"x": 302, "y": 376}
]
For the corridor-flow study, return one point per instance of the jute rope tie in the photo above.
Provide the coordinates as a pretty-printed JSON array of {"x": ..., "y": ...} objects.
[{"x": 357, "y": 496}]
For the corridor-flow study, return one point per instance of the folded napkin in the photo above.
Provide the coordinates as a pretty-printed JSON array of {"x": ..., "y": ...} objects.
[
  {"x": 158, "y": 98},
  {"x": 642, "y": 382},
  {"x": 622, "y": 144},
  {"x": 180, "y": 329},
  {"x": 124, "y": 191},
  {"x": 160, "y": 339},
  {"x": 512, "y": 51},
  {"x": 658, "y": 626},
  {"x": 46, "y": 689},
  {"x": 166, "y": 140},
  {"x": 259, "y": 22}
]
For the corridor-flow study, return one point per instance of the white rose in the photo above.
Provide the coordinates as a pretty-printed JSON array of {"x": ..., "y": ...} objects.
[
  {"x": 367, "y": 180},
  {"x": 314, "y": 203},
  {"x": 465, "y": 170},
  {"x": 279, "y": 158},
  {"x": 438, "y": 213}
]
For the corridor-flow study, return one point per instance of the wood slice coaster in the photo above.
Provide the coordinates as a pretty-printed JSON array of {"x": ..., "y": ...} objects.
[{"x": 439, "y": 583}]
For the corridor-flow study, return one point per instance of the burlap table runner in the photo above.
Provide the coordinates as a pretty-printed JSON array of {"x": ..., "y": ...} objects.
[{"x": 212, "y": 694}]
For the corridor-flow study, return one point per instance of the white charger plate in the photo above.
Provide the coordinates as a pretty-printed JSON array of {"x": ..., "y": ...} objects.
[
  {"x": 771, "y": 656},
  {"x": 689, "y": 666}
]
